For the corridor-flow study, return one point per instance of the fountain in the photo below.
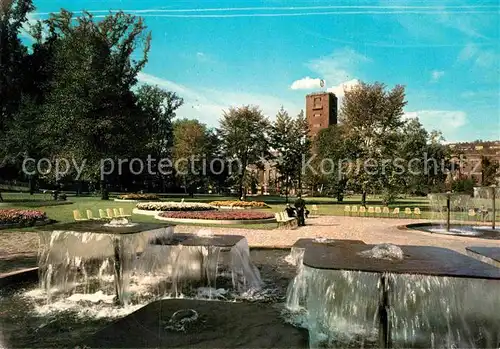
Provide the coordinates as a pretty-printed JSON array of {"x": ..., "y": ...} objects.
[
  {"x": 89, "y": 257},
  {"x": 397, "y": 296},
  {"x": 458, "y": 214}
]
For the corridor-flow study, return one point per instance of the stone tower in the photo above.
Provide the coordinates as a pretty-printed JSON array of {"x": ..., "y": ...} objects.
[{"x": 321, "y": 111}]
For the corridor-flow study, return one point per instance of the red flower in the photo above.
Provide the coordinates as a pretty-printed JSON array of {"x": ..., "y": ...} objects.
[
  {"x": 218, "y": 215},
  {"x": 13, "y": 216}
]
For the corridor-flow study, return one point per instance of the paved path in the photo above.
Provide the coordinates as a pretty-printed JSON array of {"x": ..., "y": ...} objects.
[
  {"x": 18, "y": 249},
  {"x": 369, "y": 230}
]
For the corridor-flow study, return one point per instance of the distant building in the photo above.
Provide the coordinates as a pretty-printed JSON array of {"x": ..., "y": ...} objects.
[
  {"x": 468, "y": 155},
  {"x": 321, "y": 111}
]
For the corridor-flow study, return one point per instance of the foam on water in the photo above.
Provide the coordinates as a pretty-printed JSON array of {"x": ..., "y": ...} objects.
[
  {"x": 384, "y": 251},
  {"x": 454, "y": 230}
]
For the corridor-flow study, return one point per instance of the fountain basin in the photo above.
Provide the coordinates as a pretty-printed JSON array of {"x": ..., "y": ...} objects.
[
  {"x": 476, "y": 231},
  {"x": 298, "y": 248},
  {"x": 218, "y": 325},
  {"x": 90, "y": 257},
  {"x": 490, "y": 255},
  {"x": 433, "y": 297}
]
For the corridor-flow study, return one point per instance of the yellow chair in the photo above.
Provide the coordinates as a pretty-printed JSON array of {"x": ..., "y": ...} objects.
[
  {"x": 362, "y": 210},
  {"x": 347, "y": 209},
  {"x": 116, "y": 213},
  {"x": 472, "y": 214},
  {"x": 378, "y": 211},
  {"x": 109, "y": 213},
  {"x": 417, "y": 213},
  {"x": 123, "y": 214},
  {"x": 408, "y": 212},
  {"x": 371, "y": 211},
  {"x": 386, "y": 211},
  {"x": 103, "y": 214},
  {"x": 354, "y": 209},
  {"x": 314, "y": 210},
  {"x": 396, "y": 212},
  {"x": 78, "y": 217},
  {"x": 90, "y": 215}
]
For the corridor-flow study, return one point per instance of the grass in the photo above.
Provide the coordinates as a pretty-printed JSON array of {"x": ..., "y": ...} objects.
[{"x": 326, "y": 206}]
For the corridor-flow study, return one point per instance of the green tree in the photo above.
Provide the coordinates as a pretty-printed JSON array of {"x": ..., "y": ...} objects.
[
  {"x": 191, "y": 143},
  {"x": 13, "y": 15},
  {"x": 373, "y": 120},
  {"x": 289, "y": 138},
  {"x": 90, "y": 112},
  {"x": 301, "y": 146},
  {"x": 333, "y": 159},
  {"x": 281, "y": 138},
  {"x": 158, "y": 109},
  {"x": 244, "y": 135},
  {"x": 489, "y": 171}
]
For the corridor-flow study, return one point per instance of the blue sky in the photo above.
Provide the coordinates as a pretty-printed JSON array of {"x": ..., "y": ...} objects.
[{"x": 218, "y": 54}]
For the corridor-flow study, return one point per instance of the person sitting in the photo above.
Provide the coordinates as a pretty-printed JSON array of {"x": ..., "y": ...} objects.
[
  {"x": 300, "y": 207},
  {"x": 290, "y": 211}
]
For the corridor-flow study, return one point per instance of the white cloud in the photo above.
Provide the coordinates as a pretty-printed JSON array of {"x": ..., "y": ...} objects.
[
  {"x": 447, "y": 121},
  {"x": 306, "y": 83},
  {"x": 208, "y": 105},
  {"x": 31, "y": 20},
  {"x": 479, "y": 57},
  {"x": 436, "y": 75},
  {"x": 337, "y": 67},
  {"x": 340, "y": 89}
]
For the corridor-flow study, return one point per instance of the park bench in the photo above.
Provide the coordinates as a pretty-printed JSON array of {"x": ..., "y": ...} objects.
[{"x": 284, "y": 221}]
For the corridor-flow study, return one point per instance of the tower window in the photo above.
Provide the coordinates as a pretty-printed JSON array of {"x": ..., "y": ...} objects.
[{"x": 317, "y": 102}]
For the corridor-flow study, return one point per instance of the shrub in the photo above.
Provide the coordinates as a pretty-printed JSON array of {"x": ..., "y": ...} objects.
[
  {"x": 219, "y": 215},
  {"x": 244, "y": 204},
  {"x": 24, "y": 217},
  {"x": 175, "y": 206},
  {"x": 139, "y": 197}
]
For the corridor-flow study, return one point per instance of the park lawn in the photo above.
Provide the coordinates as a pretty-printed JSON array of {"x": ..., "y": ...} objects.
[
  {"x": 64, "y": 212},
  {"x": 326, "y": 206}
]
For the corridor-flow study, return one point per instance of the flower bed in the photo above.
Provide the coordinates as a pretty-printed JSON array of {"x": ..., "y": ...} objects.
[
  {"x": 218, "y": 215},
  {"x": 174, "y": 206},
  {"x": 21, "y": 217},
  {"x": 139, "y": 197},
  {"x": 240, "y": 204}
]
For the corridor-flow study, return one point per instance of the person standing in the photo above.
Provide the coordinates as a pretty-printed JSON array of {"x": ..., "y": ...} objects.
[{"x": 300, "y": 207}]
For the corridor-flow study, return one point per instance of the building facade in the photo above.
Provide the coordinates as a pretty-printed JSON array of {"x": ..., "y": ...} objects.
[
  {"x": 321, "y": 111},
  {"x": 468, "y": 156}
]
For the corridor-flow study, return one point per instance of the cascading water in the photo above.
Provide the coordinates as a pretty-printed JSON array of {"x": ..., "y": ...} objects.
[
  {"x": 133, "y": 267},
  {"x": 459, "y": 207},
  {"x": 90, "y": 262},
  {"x": 350, "y": 308},
  {"x": 468, "y": 216},
  {"x": 444, "y": 312},
  {"x": 342, "y": 307}
]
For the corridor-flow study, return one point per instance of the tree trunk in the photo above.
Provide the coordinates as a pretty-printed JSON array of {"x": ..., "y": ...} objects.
[
  {"x": 31, "y": 185},
  {"x": 300, "y": 183},
  {"x": 241, "y": 192},
  {"x": 286, "y": 190},
  {"x": 104, "y": 190},
  {"x": 363, "y": 198}
]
